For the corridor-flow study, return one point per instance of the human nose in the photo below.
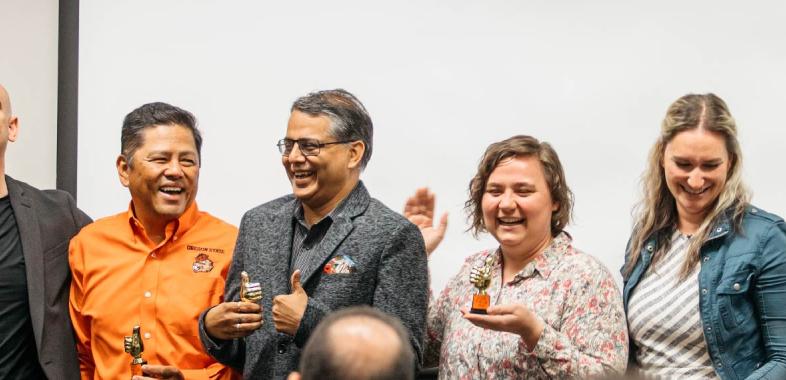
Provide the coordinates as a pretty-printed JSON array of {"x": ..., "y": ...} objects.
[
  {"x": 506, "y": 202},
  {"x": 695, "y": 179},
  {"x": 173, "y": 169},
  {"x": 295, "y": 154}
]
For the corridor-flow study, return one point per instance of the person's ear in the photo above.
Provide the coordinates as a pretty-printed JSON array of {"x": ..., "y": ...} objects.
[
  {"x": 123, "y": 169},
  {"x": 356, "y": 151},
  {"x": 13, "y": 128}
]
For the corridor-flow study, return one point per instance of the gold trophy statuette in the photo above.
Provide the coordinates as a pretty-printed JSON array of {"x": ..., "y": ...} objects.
[
  {"x": 249, "y": 291},
  {"x": 480, "y": 276},
  {"x": 134, "y": 346}
]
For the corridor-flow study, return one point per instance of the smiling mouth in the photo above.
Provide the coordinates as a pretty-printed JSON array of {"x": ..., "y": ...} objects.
[
  {"x": 695, "y": 192},
  {"x": 171, "y": 190},
  {"x": 510, "y": 221},
  {"x": 302, "y": 174}
]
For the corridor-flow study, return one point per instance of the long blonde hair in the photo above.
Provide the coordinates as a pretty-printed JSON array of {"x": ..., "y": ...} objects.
[{"x": 656, "y": 213}]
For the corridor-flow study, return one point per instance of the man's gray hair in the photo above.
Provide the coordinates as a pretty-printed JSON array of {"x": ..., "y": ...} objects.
[{"x": 349, "y": 119}]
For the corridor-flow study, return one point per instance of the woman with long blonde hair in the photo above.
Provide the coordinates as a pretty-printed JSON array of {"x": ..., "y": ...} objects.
[{"x": 705, "y": 271}]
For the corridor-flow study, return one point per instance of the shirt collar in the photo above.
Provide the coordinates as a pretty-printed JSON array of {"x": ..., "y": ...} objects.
[
  {"x": 546, "y": 262},
  {"x": 337, "y": 212},
  {"x": 175, "y": 228}
]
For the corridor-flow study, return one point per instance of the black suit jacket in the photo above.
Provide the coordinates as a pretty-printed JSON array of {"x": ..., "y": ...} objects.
[{"x": 46, "y": 221}]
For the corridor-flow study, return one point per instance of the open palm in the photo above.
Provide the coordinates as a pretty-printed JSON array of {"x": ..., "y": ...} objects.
[{"x": 419, "y": 209}]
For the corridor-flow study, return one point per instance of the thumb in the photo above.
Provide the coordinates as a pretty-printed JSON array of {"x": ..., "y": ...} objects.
[
  {"x": 295, "y": 282},
  {"x": 501, "y": 309},
  {"x": 443, "y": 224}
]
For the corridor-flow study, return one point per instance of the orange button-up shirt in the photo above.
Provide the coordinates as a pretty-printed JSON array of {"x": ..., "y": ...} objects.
[{"x": 122, "y": 279}]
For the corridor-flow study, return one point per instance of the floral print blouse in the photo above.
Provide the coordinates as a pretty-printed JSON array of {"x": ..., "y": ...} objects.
[{"x": 585, "y": 332}]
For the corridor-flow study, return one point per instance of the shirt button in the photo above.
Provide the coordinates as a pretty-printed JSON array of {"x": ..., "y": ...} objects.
[
  {"x": 704, "y": 291},
  {"x": 719, "y": 229},
  {"x": 282, "y": 348},
  {"x": 147, "y": 335},
  {"x": 649, "y": 248},
  {"x": 753, "y": 210},
  {"x": 706, "y": 258},
  {"x": 709, "y": 328},
  {"x": 153, "y": 255},
  {"x": 736, "y": 286},
  {"x": 148, "y": 294}
]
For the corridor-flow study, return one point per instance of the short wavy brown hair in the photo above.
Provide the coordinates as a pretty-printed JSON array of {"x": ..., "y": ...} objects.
[{"x": 517, "y": 146}]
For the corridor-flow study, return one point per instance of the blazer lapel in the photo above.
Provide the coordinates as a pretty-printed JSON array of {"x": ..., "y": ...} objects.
[
  {"x": 30, "y": 236},
  {"x": 357, "y": 202},
  {"x": 282, "y": 246},
  {"x": 338, "y": 231}
]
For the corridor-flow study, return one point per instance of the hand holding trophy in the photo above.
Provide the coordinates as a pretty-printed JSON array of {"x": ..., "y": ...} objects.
[
  {"x": 133, "y": 345},
  {"x": 480, "y": 276},
  {"x": 233, "y": 320}
]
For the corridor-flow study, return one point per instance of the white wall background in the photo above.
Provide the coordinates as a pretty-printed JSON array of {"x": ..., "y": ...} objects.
[
  {"x": 28, "y": 70},
  {"x": 442, "y": 80}
]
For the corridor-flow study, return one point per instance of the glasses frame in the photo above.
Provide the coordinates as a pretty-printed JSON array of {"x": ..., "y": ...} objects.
[{"x": 282, "y": 146}]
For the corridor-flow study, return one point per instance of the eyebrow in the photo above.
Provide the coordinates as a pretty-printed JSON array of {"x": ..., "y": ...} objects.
[
  {"x": 712, "y": 161},
  {"x": 169, "y": 152},
  {"x": 524, "y": 185},
  {"x": 517, "y": 185}
]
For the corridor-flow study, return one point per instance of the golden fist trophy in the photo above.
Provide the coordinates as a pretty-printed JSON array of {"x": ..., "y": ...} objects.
[
  {"x": 134, "y": 346},
  {"x": 480, "y": 276},
  {"x": 249, "y": 291}
]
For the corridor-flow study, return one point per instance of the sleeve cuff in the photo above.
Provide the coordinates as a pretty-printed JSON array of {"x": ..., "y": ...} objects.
[{"x": 311, "y": 317}]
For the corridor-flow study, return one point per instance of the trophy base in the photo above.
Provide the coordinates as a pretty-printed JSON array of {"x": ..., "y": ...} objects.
[
  {"x": 136, "y": 368},
  {"x": 480, "y": 302}
]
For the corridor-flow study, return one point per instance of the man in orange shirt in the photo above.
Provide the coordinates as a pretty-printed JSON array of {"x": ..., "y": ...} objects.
[{"x": 156, "y": 265}]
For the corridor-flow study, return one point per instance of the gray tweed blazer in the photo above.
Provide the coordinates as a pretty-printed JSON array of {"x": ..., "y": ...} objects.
[{"x": 390, "y": 274}]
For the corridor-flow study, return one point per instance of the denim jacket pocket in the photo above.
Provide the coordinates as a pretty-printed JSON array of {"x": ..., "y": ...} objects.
[{"x": 734, "y": 302}]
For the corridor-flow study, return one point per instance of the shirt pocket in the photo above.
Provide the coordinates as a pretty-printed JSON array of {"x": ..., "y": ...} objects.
[
  {"x": 735, "y": 303},
  {"x": 193, "y": 299}
]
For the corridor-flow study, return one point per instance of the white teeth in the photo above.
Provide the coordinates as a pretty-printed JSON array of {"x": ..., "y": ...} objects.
[
  {"x": 302, "y": 174},
  {"x": 171, "y": 189},
  {"x": 510, "y": 220}
]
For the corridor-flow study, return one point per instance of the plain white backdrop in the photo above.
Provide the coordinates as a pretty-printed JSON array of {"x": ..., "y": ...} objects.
[
  {"x": 441, "y": 80},
  {"x": 28, "y": 70}
]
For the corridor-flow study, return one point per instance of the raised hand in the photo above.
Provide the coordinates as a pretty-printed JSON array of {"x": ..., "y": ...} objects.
[
  {"x": 419, "y": 209},
  {"x": 288, "y": 309}
]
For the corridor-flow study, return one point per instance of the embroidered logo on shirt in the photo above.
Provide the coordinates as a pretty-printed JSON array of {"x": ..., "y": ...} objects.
[
  {"x": 202, "y": 263},
  {"x": 342, "y": 264},
  {"x": 204, "y": 249}
]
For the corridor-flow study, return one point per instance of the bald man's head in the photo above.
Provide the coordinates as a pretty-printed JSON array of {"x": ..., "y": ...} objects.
[
  {"x": 358, "y": 343},
  {"x": 5, "y": 102},
  {"x": 8, "y": 122}
]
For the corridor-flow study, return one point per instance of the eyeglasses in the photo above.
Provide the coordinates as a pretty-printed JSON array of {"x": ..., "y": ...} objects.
[{"x": 308, "y": 147}]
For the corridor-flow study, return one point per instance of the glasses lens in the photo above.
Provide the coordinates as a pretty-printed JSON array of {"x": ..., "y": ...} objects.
[
  {"x": 285, "y": 146},
  {"x": 309, "y": 147}
]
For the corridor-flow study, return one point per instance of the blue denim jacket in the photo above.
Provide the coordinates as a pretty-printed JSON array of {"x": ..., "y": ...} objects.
[{"x": 742, "y": 295}]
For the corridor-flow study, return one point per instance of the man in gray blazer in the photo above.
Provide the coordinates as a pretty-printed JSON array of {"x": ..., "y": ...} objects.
[
  {"x": 327, "y": 246},
  {"x": 36, "y": 339}
]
